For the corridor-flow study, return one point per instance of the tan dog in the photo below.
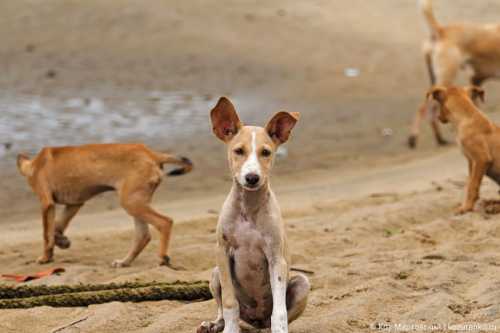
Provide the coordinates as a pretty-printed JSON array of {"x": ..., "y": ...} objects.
[
  {"x": 251, "y": 280},
  {"x": 72, "y": 175},
  {"x": 477, "y": 136},
  {"x": 449, "y": 49}
]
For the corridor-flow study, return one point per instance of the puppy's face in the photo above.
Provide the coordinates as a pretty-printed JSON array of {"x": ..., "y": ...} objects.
[
  {"x": 443, "y": 96},
  {"x": 251, "y": 149}
]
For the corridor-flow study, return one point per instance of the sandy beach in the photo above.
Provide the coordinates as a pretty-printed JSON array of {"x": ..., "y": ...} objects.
[{"x": 374, "y": 221}]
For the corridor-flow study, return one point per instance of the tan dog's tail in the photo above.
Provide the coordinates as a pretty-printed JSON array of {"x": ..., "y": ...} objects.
[
  {"x": 184, "y": 162},
  {"x": 25, "y": 165},
  {"x": 426, "y": 7}
]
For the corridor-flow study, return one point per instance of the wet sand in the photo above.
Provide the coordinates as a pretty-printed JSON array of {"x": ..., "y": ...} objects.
[{"x": 373, "y": 220}]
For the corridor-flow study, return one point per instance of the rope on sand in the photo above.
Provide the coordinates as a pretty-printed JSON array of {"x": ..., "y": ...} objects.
[{"x": 87, "y": 294}]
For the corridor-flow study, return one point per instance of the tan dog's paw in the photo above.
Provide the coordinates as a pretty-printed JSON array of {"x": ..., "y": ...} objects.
[
  {"x": 211, "y": 326},
  {"x": 119, "y": 263},
  {"x": 44, "y": 260}
]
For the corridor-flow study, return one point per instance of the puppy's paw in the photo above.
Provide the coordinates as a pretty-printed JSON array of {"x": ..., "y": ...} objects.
[
  {"x": 44, "y": 260},
  {"x": 119, "y": 263},
  {"x": 62, "y": 241},
  {"x": 211, "y": 326},
  {"x": 463, "y": 210}
]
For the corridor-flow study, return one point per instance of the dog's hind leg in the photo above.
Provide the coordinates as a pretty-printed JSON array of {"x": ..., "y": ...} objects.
[
  {"x": 296, "y": 296},
  {"x": 142, "y": 238},
  {"x": 218, "y": 324},
  {"x": 69, "y": 212},
  {"x": 135, "y": 200}
]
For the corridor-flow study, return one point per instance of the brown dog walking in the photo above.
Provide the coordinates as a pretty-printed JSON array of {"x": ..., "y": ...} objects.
[
  {"x": 72, "y": 175},
  {"x": 448, "y": 50}
]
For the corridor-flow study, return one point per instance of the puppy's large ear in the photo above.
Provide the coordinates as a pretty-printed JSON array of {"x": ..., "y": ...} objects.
[
  {"x": 280, "y": 126},
  {"x": 438, "y": 94},
  {"x": 225, "y": 121},
  {"x": 476, "y": 94}
]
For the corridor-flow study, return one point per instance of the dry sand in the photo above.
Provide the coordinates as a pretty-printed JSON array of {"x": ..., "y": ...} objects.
[
  {"x": 383, "y": 243},
  {"x": 373, "y": 221}
]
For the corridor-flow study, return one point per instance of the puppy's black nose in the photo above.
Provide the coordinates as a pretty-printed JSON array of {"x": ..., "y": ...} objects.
[{"x": 252, "y": 179}]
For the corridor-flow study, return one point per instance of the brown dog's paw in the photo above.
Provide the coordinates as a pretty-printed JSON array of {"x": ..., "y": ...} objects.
[
  {"x": 44, "y": 260},
  {"x": 165, "y": 261},
  {"x": 442, "y": 142},
  {"x": 211, "y": 326},
  {"x": 412, "y": 141},
  {"x": 119, "y": 263},
  {"x": 62, "y": 241},
  {"x": 463, "y": 210}
]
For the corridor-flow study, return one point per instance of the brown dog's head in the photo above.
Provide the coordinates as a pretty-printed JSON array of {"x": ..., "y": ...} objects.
[
  {"x": 251, "y": 149},
  {"x": 445, "y": 96}
]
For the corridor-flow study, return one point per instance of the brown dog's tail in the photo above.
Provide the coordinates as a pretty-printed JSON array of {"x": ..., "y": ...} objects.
[
  {"x": 185, "y": 163},
  {"x": 25, "y": 165},
  {"x": 434, "y": 26}
]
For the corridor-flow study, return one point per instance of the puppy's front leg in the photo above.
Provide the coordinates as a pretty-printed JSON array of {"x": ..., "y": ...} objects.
[
  {"x": 477, "y": 171},
  {"x": 278, "y": 270},
  {"x": 230, "y": 305}
]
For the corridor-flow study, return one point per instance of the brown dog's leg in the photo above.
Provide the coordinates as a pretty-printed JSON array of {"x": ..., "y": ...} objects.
[
  {"x": 164, "y": 226},
  {"x": 477, "y": 171},
  {"x": 435, "y": 126},
  {"x": 135, "y": 200},
  {"x": 142, "y": 238},
  {"x": 415, "y": 128},
  {"x": 48, "y": 215},
  {"x": 69, "y": 212}
]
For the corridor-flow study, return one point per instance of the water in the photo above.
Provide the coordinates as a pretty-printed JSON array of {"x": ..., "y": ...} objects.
[{"x": 28, "y": 122}]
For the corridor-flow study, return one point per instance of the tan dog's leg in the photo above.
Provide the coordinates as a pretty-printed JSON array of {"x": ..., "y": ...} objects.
[
  {"x": 296, "y": 296},
  {"x": 48, "y": 215},
  {"x": 69, "y": 212},
  {"x": 230, "y": 305},
  {"x": 217, "y": 325}
]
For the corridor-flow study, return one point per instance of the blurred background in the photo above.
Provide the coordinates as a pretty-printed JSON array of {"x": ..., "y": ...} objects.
[{"x": 75, "y": 72}]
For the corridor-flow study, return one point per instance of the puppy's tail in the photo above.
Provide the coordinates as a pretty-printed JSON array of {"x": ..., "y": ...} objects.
[
  {"x": 434, "y": 26},
  {"x": 25, "y": 165},
  {"x": 185, "y": 163}
]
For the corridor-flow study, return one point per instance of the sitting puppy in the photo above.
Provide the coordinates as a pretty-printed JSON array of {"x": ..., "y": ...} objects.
[
  {"x": 72, "y": 175},
  {"x": 477, "y": 136},
  {"x": 251, "y": 280}
]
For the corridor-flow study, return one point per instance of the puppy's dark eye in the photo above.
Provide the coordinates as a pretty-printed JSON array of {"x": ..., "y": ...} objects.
[
  {"x": 266, "y": 152},
  {"x": 239, "y": 151}
]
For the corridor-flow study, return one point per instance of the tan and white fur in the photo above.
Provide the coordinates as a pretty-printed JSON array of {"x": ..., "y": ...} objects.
[
  {"x": 251, "y": 281},
  {"x": 449, "y": 49},
  {"x": 70, "y": 176}
]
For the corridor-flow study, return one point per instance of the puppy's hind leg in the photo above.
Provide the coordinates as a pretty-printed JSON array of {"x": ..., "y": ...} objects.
[
  {"x": 69, "y": 212},
  {"x": 218, "y": 324},
  {"x": 142, "y": 238},
  {"x": 296, "y": 296}
]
